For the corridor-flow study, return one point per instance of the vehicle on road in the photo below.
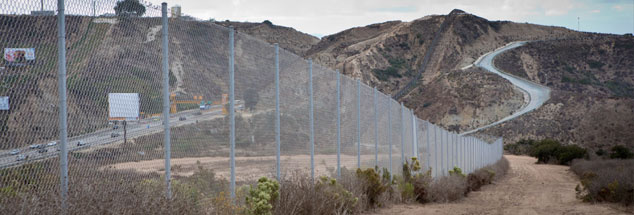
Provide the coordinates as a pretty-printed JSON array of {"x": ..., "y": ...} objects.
[
  {"x": 52, "y": 143},
  {"x": 15, "y": 152},
  {"x": 115, "y": 127},
  {"x": 113, "y": 135},
  {"x": 81, "y": 143},
  {"x": 35, "y": 146},
  {"x": 43, "y": 150},
  {"x": 21, "y": 157},
  {"x": 182, "y": 118}
]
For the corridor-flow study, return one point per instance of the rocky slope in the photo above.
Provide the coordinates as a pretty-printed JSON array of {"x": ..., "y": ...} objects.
[{"x": 592, "y": 80}]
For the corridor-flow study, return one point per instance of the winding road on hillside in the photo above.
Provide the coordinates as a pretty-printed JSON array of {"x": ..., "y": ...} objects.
[
  {"x": 528, "y": 188},
  {"x": 535, "y": 95}
]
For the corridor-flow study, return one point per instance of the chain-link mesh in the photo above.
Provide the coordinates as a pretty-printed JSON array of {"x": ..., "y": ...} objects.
[{"x": 114, "y": 67}]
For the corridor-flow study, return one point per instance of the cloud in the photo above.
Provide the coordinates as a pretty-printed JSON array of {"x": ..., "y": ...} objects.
[
  {"x": 595, "y": 11},
  {"x": 618, "y": 7}
]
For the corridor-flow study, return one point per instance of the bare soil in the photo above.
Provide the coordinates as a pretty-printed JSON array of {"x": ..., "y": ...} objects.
[
  {"x": 248, "y": 168},
  {"x": 528, "y": 188}
]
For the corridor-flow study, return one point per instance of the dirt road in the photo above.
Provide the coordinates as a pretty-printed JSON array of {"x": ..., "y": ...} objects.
[{"x": 528, "y": 188}]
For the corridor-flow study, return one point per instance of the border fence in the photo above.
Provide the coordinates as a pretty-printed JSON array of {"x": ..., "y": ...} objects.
[{"x": 206, "y": 97}]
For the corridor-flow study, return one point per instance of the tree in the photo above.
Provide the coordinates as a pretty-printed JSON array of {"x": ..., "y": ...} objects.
[
  {"x": 127, "y": 7},
  {"x": 251, "y": 98}
]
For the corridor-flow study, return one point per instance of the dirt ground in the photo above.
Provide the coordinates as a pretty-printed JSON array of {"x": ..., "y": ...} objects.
[
  {"x": 250, "y": 168},
  {"x": 528, "y": 188}
]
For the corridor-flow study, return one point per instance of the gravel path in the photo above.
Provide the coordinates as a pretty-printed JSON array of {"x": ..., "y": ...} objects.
[{"x": 528, "y": 188}]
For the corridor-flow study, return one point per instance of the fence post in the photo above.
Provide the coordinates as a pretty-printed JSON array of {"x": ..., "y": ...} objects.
[
  {"x": 277, "y": 111},
  {"x": 232, "y": 120},
  {"x": 437, "y": 153},
  {"x": 402, "y": 135},
  {"x": 166, "y": 102},
  {"x": 389, "y": 134},
  {"x": 311, "y": 119},
  {"x": 358, "y": 123},
  {"x": 414, "y": 135},
  {"x": 63, "y": 111},
  {"x": 427, "y": 127},
  {"x": 338, "y": 125},
  {"x": 376, "y": 132},
  {"x": 443, "y": 143}
]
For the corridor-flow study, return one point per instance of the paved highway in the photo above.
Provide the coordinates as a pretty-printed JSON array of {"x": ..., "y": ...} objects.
[
  {"x": 536, "y": 94},
  {"x": 101, "y": 137}
]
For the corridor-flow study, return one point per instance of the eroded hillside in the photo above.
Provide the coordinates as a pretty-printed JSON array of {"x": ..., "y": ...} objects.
[{"x": 592, "y": 102}]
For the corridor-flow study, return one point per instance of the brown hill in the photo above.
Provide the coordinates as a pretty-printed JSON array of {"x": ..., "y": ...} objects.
[{"x": 592, "y": 102}]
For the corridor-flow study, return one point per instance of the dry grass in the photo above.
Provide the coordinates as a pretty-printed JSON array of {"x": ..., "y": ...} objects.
[
  {"x": 123, "y": 192},
  {"x": 605, "y": 180}
]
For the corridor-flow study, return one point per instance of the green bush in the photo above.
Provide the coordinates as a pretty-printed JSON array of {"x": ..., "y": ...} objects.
[
  {"x": 373, "y": 184},
  {"x": 621, "y": 152},
  {"x": 260, "y": 199},
  {"x": 345, "y": 201},
  {"x": 549, "y": 151},
  {"x": 457, "y": 171},
  {"x": 565, "y": 154},
  {"x": 522, "y": 147}
]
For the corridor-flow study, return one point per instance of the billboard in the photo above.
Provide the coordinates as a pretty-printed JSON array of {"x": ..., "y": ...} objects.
[
  {"x": 19, "y": 56},
  {"x": 4, "y": 103},
  {"x": 123, "y": 106}
]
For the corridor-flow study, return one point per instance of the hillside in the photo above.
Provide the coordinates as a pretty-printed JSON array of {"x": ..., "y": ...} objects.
[
  {"x": 288, "y": 38},
  {"x": 413, "y": 60},
  {"x": 592, "y": 102}
]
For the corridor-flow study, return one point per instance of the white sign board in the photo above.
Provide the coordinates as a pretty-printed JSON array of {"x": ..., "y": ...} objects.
[
  {"x": 123, "y": 106},
  {"x": 4, "y": 103},
  {"x": 19, "y": 54}
]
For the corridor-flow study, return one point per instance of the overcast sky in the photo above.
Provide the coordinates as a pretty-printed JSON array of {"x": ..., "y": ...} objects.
[{"x": 324, "y": 17}]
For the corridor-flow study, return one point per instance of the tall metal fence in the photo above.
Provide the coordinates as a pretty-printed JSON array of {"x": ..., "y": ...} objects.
[{"x": 205, "y": 97}]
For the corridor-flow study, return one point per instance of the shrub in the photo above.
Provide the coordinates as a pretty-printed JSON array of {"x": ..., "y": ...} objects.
[
  {"x": 621, "y": 152},
  {"x": 344, "y": 201},
  {"x": 260, "y": 199},
  {"x": 605, "y": 180},
  {"x": 565, "y": 154},
  {"x": 373, "y": 184},
  {"x": 456, "y": 171},
  {"x": 551, "y": 151},
  {"x": 522, "y": 147}
]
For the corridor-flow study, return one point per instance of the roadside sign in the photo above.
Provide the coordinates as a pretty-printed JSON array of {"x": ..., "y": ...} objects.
[
  {"x": 4, "y": 103},
  {"x": 123, "y": 106}
]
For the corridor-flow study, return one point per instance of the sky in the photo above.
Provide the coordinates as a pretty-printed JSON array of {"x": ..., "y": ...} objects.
[{"x": 327, "y": 17}]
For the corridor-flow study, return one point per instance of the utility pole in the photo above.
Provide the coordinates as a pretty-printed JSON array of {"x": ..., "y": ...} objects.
[
  {"x": 42, "y": 4},
  {"x": 578, "y": 24}
]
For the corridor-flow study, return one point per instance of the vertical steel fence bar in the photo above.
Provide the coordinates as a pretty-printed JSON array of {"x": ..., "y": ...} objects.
[
  {"x": 311, "y": 119},
  {"x": 358, "y": 123},
  {"x": 63, "y": 111},
  {"x": 403, "y": 134},
  {"x": 338, "y": 124},
  {"x": 427, "y": 127},
  {"x": 166, "y": 102},
  {"x": 389, "y": 134},
  {"x": 277, "y": 111},
  {"x": 376, "y": 132},
  {"x": 414, "y": 136},
  {"x": 232, "y": 120}
]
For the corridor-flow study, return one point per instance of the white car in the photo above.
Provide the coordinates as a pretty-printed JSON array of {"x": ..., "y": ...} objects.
[
  {"x": 21, "y": 157},
  {"x": 81, "y": 143},
  {"x": 52, "y": 143},
  {"x": 15, "y": 152},
  {"x": 35, "y": 146}
]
